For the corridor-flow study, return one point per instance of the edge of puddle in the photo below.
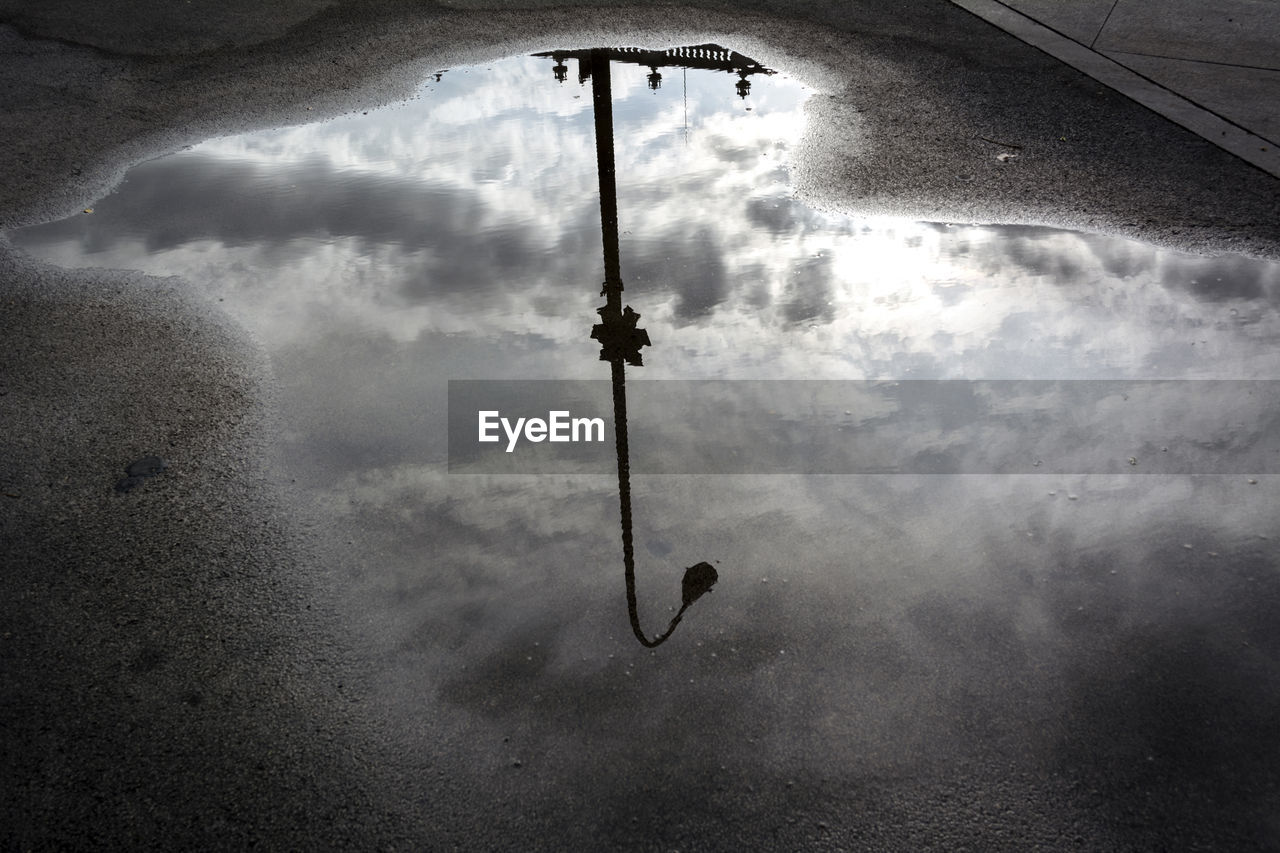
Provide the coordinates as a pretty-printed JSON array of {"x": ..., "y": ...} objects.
[
  {"x": 1087, "y": 158},
  {"x": 180, "y": 638}
]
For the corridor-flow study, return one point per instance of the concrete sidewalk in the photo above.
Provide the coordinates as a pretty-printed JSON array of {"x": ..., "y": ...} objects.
[{"x": 1212, "y": 68}]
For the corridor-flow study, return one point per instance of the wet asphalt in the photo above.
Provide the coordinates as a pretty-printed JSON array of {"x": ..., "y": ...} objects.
[{"x": 175, "y": 672}]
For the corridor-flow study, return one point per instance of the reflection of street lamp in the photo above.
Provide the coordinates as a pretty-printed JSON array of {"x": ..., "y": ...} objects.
[
  {"x": 620, "y": 343},
  {"x": 621, "y": 339}
]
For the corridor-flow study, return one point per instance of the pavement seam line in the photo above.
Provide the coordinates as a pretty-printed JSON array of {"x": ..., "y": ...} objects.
[
  {"x": 1213, "y": 62},
  {"x": 1105, "y": 21}
]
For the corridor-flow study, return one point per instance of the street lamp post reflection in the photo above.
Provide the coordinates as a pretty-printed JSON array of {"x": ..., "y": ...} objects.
[
  {"x": 620, "y": 343},
  {"x": 618, "y": 332}
]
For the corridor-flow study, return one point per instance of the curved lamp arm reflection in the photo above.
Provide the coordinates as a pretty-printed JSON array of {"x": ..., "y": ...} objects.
[
  {"x": 620, "y": 343},
  {"x": 699, "y": 578}
]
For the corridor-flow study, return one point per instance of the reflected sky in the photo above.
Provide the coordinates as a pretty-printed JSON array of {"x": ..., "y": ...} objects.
[
  {"x": 473, "y": 209},
  {"x": 861, "y": 623}
]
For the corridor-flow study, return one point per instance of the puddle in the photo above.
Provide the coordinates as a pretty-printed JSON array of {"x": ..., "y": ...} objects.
[{"x": 859, "y": 626}]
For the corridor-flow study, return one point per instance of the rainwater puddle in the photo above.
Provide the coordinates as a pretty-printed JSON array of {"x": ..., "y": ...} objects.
[{"x": 859, "y": 623}]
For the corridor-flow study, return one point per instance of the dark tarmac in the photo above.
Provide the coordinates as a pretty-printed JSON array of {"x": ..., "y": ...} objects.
[{"x": 177, "y": 670}]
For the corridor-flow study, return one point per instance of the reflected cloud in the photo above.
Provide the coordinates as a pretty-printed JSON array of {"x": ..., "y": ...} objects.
[{"x": 372, "y": 220}]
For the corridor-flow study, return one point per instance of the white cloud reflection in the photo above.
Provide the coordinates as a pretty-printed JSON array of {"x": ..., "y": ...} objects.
[{"x": 473, "y": 210}]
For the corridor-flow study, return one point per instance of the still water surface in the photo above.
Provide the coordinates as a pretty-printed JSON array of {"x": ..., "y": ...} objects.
[{"x": 886, "y": 627}]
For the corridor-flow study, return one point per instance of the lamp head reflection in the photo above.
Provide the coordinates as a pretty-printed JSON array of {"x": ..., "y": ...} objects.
[
  {"x": 654, "y": 78},
  {"x": 698, "y": 580}
]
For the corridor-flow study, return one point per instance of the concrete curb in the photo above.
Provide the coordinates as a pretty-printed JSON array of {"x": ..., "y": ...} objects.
[{"x": 1212, "y": 127}]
